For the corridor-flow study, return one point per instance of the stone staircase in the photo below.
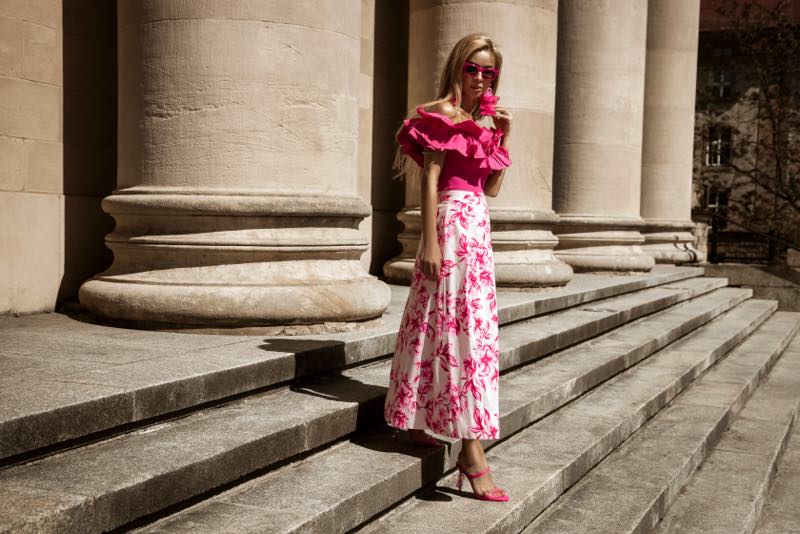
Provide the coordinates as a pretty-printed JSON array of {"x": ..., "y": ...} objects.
[{"x": 613, "y": 391}]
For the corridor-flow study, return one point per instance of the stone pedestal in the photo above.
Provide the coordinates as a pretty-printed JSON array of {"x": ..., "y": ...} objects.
[
  {"x": 522, "y": 214},
  {"x": 237, "y": 200},
  {"x": 598, "y": 135},
  {"x": 667, "y": 146}
]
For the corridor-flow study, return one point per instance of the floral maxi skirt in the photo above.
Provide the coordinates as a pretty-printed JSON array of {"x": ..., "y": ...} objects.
[{"x": 445, "y": 370}]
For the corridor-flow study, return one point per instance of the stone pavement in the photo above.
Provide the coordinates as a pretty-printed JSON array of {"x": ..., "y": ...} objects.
[{"x": 614, "y": 390}]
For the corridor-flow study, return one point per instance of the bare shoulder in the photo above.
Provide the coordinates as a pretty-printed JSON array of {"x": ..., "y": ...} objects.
[{"x": 443, "y": 108}]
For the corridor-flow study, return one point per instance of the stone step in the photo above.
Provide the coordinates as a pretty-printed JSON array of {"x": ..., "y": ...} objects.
[
  {"x": 168, "y": 463},
  {"x": 65, "y": 380},
  {"x": 337, "y": 489},
  {"x": 539, "y": 463},
  {"x": 743, "y": 462},
  {"x": 781, "y": 514},
  {"x": 632, "y": 487}
]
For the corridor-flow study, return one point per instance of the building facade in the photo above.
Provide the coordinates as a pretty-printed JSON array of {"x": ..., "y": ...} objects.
[
  {"x": 746, "y": 118},
  {"x": 235, "y": 157}
]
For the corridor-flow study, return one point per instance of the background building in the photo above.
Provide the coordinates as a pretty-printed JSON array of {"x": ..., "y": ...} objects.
[{"x": 746, "y": 156}]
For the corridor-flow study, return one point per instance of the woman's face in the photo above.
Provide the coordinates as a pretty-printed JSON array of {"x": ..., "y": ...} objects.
[{"x": 474, "y": 86}]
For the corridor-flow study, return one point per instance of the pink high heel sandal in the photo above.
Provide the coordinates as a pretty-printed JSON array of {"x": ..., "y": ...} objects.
[{"x": 491, "y": 495}]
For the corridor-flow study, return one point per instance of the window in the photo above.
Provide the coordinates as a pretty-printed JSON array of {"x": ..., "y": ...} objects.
[
  {"x": 717, "y": 198},
  {"x": 717, "y": 202},
  {"x": 718, "y": 146},
  {"x": 720, "y": 81}
]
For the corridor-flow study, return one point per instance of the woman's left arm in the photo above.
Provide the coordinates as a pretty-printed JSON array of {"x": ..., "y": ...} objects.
[{"x": 502, "y": 121}]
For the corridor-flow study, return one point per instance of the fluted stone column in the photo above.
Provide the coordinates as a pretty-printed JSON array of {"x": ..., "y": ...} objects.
[
  {"x": 521, "y": 214},
  {"x": 667, "y": 146},
  {"x": 598, "y": 134},
  {"x": 237, "y": 198}
]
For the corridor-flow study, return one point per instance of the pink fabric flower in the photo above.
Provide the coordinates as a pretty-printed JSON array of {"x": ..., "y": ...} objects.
[{"x": 488, "y": 101}]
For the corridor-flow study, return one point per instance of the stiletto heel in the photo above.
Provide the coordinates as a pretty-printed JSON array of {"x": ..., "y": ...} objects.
[{"x": 491, "y": 495}]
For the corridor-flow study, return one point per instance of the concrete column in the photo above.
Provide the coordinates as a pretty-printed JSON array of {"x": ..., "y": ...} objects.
[
  {"x": 522, "y": 214},
  {"x": 598, "y": 134},
  {"x": 667, "y": 145},
  {"x": 237, "y": 201}
]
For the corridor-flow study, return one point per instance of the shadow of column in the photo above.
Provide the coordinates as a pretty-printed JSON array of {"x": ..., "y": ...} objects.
[
  {"x": 90, "y": 137},
  {"x": 390, "y": 93}
]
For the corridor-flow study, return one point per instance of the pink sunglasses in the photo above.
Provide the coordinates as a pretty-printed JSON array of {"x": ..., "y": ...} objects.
[{"x": 489, "y": 73}]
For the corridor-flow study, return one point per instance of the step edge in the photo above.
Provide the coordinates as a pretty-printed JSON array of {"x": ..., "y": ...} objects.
[
  {"x": 135, "y": 418},
  {"x": 694, "y": 372},
  {"x": 661, "y": 503},
  {"x": 759, "y": 318}
]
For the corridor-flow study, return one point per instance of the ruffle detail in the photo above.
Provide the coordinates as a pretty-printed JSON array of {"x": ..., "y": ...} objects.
[{"x": 436, "y": 132}]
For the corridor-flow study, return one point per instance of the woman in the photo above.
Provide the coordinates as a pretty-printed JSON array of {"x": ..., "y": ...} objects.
[{"x": 445, "y": 370}]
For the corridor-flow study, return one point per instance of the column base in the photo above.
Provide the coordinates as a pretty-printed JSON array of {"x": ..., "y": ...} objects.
[
  {"x": 602, "y": 244},
  {"x": 398, "y": 269},
  {"x": 671, "y": 242},
  {"x": 243, "y": 310},
  {"x": 202, "y": 260},
  {"x": 522, "y": 247}
]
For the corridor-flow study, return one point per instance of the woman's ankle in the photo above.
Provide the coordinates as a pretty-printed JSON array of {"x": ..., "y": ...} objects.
[{"x": 468, "y": 456}]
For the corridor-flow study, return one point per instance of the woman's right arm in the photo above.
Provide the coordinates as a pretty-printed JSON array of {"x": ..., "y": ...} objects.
[{"x": 431, "y": 252}]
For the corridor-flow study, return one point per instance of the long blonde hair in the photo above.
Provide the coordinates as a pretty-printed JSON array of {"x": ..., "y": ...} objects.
[{"x": 449, "y": 90}]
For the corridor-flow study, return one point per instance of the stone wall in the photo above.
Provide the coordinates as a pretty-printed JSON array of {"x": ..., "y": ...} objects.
[
  {"x": 57, "y": 146},
  {"x": 777, "y": 282}
]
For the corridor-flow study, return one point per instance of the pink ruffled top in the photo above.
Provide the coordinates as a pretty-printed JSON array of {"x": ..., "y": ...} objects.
[{"x": 474, "y": 151}]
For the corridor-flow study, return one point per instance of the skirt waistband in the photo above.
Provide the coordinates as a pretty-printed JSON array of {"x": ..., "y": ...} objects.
[{"x": 459, "y": 194}]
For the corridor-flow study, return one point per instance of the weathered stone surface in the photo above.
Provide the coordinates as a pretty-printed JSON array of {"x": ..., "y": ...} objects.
[
  {"x": 780, "y": 514},
  {"x": 32, "y": 229},
  {"x": 646, "y": 474},
  {"x": 580, "y": 450},
  {"x": 46, "y": 511},
  {"x": 778, "y": 282},
  {"x": 153, "y": 373},
  {"x": 585, "y": 288},
  {"x": 560, "y": 378},
  {"x": 723, "y": 497},
  {"x": 668, "y": 131},
  {"x": 599, "y": 113},
  {"x": 231, "y": 441},
  {"x": 16, "y": 370},
  {"x": 41, "y": 413},
  {"x": 216, "y": 228},
  {"x": 745, "y": 459},
  {"x": 133, "y": 475},
  {"x": 555, "y": 451},
  {"x": 528, "y": 340}
]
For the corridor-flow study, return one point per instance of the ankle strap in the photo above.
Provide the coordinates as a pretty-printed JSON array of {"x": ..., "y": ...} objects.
[{"x": 475, "y": 475}]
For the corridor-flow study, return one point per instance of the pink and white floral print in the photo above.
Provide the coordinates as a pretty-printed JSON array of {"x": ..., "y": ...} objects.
[{"x": 445, "y": 370}]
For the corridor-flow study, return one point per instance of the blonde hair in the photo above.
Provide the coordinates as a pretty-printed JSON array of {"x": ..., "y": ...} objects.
[{"x": 449, "y": 90}]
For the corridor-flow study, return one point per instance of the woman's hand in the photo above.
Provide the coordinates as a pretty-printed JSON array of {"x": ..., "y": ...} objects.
[
  {"x": 431, "y": 260},
  {"x": 502, "y": 120}
]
